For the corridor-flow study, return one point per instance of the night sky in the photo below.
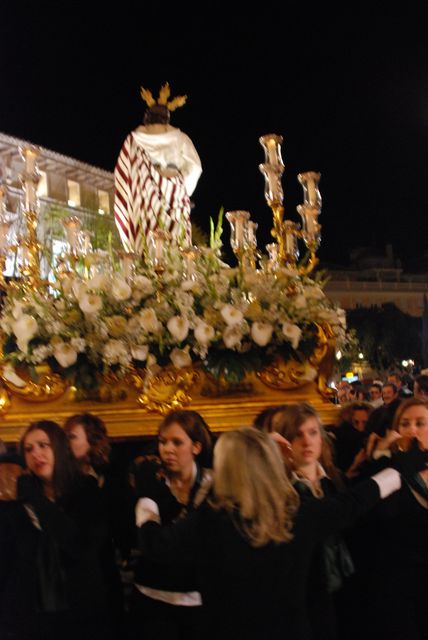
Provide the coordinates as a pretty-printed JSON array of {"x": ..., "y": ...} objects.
[{"x": 346, "y": 88}]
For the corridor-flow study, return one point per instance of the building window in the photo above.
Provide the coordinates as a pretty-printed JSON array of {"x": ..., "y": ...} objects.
[
  {"x": 42, "y": 187},
  {"x": 103, "y": 202},
  {"x": 73, "y": 193}
]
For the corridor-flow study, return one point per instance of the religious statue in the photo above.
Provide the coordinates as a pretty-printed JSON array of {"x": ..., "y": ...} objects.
[{"x": 156, "y": 172}]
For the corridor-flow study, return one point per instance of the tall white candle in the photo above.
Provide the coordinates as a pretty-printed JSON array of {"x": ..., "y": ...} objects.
[{"x": 312, "y": 194}]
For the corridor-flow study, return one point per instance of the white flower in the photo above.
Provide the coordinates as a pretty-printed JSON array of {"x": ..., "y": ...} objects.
[
  {"x": 261, "y": 333},
  {"x": 232, "y": 336},
  {"x": 24, "y": 328},
  {"x": 231, "y": 315},
  {"x": 79, "y": 288},
  {"x": 180, "y": 357},
  {"x": 10, "y": 374},
  {"x": 144, "y": 285},
  {"x": 133, "y": 325},
  {"x": 204, "y": 332},
  {"x": 99, "y": 281},
  {"x": 41, "y": 353},
  {"x": 292, "y": 332},
  {"x": 140, "y": 352},
  {"x": 149, "y": 321},
  {"x": 90, "y": 303},
  {"x": 300, "y": 301},
  {"x": 79, "y": 344},
  {"x": 115, "y": 352},
  {"x": 65, "y": 354},
  {"x": 120, "y": 289},
  {"x": 18, "y": 305},
  {"x": 178, "y": 326}
]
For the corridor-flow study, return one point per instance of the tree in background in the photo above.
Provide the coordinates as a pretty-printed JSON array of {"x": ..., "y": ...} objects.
[{"x": 387, "y": 335}]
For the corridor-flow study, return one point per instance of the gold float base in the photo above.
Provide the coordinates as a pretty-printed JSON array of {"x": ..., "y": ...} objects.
[{"x": 224, "y": 407}]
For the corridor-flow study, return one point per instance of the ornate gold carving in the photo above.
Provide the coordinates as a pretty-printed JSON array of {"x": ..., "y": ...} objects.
[
  {"x": 292, "y": 374},
  {"x": 284, "y": 375},
  {"x": 4, "y": 401},
  {"x": 167, "y": 390},
  {"x": 49, "y": 386}
]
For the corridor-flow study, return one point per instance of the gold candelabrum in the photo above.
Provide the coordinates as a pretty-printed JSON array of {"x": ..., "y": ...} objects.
[{"x": 284, "y": 252}]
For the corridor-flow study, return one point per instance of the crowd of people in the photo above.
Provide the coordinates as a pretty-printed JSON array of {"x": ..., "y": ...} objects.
[{"x": 283, "y": 528}]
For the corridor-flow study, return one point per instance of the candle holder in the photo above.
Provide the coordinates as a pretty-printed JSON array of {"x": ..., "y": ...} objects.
[
  {"x": 287, "y": 233},
  {"x": 311, "y": 234},
  {"x": 238, "y": 221},
  {"x": 251, "y": 255},
  {"x": 156, "y": 245},
  {"x": 290, "y": 234},
  {"x": 273, "y": 263},
  {"x": 311, "y": 194},
  {"x": 271, "y": 143},
  {"x": 189, "y": 255}
]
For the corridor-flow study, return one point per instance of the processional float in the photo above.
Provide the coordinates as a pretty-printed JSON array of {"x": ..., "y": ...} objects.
[{"x": 130, "y": 337}]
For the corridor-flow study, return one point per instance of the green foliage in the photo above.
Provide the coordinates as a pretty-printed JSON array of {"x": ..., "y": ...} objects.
[
  {"x": 216, "y": 231},
  {"x": 233, "y": 366}
]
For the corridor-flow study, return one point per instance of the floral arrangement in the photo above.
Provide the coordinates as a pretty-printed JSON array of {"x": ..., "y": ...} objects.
[{"x": 91, "y": 320}]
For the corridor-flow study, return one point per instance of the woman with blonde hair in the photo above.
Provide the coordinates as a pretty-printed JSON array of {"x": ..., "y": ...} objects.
[{"x": 251, "y": 544}]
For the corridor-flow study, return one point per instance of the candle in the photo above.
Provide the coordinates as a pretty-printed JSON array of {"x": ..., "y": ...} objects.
[
  {"x": 239, "y": 231},
  {"x": 271, "y": 143},
  {"x": 251, "y": 233},
  {"x": 311, "y": 192}
]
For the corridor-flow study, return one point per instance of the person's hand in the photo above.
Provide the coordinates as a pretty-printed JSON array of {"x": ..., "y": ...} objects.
[{"x": 284, "y": 447}]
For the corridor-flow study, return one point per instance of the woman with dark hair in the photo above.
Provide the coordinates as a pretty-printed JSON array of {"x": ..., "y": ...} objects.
[
  {"x": 89, "y": 443},
  {"x": 166, "y": 602},
  {"x": 55, "y": 537},
  {"x": 251, "y": 543},
  {"x": 268, "y": 418}
]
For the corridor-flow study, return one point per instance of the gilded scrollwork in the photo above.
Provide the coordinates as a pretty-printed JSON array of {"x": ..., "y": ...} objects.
[{"x": 166, "y": 390}]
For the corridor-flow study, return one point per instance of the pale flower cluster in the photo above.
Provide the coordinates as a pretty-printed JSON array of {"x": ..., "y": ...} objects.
[{"x": 112, "y": 323}]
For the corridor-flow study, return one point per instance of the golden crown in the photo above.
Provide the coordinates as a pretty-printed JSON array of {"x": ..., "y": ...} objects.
[{"x": 164, "y": 94}]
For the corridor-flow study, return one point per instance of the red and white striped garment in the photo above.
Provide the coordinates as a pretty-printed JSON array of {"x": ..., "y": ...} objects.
[{"x": 145, "y": 200}]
